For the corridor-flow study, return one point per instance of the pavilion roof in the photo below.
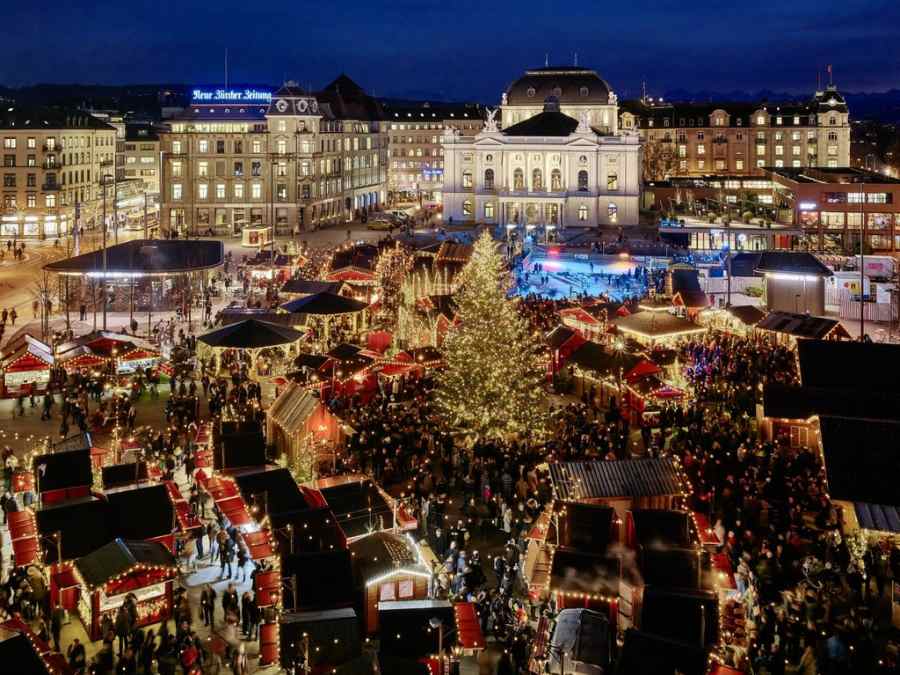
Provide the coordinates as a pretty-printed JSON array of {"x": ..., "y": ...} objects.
[
  {"x": 145, "y": 256},
  {"x": 324, "y": 303},
  {"x": 250, "y": 334}
]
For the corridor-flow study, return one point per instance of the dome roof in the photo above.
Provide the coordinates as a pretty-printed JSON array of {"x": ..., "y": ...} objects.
[{"x": 571, "y": 85}]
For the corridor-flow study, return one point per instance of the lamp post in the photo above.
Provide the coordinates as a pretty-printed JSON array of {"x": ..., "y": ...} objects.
[
  {"x": 862, "y": 259},
  {"x": 438, "y": 625}
]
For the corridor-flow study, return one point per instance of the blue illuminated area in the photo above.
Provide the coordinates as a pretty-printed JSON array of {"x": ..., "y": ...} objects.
[{"x": 231, "y": 95}]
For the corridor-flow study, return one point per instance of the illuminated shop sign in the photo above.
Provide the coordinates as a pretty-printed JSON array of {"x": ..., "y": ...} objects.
[
  {"x": 807, "y": 206},
  {"x": 231, "y": 95}
]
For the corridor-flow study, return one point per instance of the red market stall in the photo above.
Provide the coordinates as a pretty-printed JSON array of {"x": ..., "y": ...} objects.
[
  {"x": 85, "y": 361},
  {"x": 27, "y": 367},
  {"x": 379, "y": 341},
  {"x": 107, "y": 576},
  {"x": 580, "y": 320},
  {"x": 23, "y": 534}
]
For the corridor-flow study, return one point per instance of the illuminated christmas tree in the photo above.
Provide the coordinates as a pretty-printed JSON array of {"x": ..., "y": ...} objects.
[{"x": 492, "y": 384}]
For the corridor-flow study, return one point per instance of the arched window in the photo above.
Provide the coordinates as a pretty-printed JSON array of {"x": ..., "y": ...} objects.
[
  {"x": 467, "y": 208},
  {"x": 537, "y": 180},
  {"x": 582, "y": 213},
  {"x": 556, "y": 180},
  {"x": 518, "y": 179},
  {"x": 488, "y": 179},
  {"x": 467, "y": 179},
  {"x": 582, "y": 181}
]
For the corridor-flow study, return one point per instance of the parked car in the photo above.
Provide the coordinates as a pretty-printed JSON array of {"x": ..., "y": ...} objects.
[{"x": 381, "y": 221}]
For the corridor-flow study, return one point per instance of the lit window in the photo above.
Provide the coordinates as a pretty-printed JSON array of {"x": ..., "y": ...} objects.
[
  {"x": 489, "y": 211},
  {"x": 176, "y": 147},
  {"x": 203, "y": 146},
  {"x": 202, "y": 191},
  {"x": 176, "y": 190},
  {"x": 779, "y": 150},
  {"x": 467, "y": 179},
  {"x": 583, "y": 181},
  {"x": 256, "y": 191},
  {"x": 238, "y": 190},
  {"x": 467, "y": 208},
  {"x": 612, "y": 181},
  {"x": 583, "y": 213},
  {"x": 220, "y": 190},
  {"x": 203, "y": 169},
  {"x": 612, "y": 211}
]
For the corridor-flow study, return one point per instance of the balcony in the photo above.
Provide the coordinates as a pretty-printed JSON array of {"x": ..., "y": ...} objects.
[
  {"x": 51, "y": 166},
  {"x": 50, "y": 187},
  {"x": 51, "y": 148}
]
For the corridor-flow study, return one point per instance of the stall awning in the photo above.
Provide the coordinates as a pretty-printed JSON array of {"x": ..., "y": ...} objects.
[
  {"x": 120, "y": 557},
  {"x": 468, "y": 627},
  {"x": 259, "y": 544}
]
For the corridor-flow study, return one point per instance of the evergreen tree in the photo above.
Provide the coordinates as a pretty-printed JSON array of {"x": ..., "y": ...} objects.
[{"x": 492, "y": 384}]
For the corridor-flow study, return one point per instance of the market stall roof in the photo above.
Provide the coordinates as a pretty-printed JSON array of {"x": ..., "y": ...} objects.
[
  {"x": 325, "y": 578},
  {"x": 27, "y": 353},
  {"x": 559, "y": 336},
  {"x": 657, "y": 325},
  {"x": 596, "y": 357},
  {"x": 120, "y": 557},
  {"x": 573, "y": 481},
  {"x": 586, "y": 527},
  {"x": 584, "y": 636},
  {"x": 344, "y": 352},
  {"x": 68, "y": 466},
  {"x": 852, "y": 365},
  {"x": 250, "y": 334},
  {"x": 84, "y": 360},
  {"x": 578, "y": 572},
  {"x": 359, "y": 506},
  {"x": 359, "y": 255},
  {"x": 666, "y": 527},
  {"x": 313, "y": 361},
  {"x": 580, "y": 315},
  {"x": 803, "y": 325},
  {"x": 83, "y": 524},
  {"x": 314, "y": 529},
  {"x": 292, "y": 408},
  {"x": 749, "y": 315},
  {"x": 324, "y": 304},
  {"x": 792, "y": 262},
  {"x": 670, "y": 567},
  {"x": 141, "y": 512},
  {"x": 468, "y": 626},
  {"x": 274, "y": 488},
  {"x": 859, "y": 454},
  {"x": 311, "y": 286},
  {"x": 696, "y": 610},
  {"x": 880, "y": 517},
  {"x": 142, "y": 257},
  {"x": 645, "y": 652},
  {"x": 20, "y": 654},
  {"x": 427, "y": 355},
  {"x": 381, "y": 553},
  {"x": 451, "y": 252}
]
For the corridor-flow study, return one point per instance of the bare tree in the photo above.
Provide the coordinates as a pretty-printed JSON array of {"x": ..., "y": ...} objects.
[{"x": 659, "y": 159}]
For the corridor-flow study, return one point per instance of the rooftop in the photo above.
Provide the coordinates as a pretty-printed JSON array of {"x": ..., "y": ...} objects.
[
  {"x": 142, "y": 257},
  {"x": 832, "y": 175}
]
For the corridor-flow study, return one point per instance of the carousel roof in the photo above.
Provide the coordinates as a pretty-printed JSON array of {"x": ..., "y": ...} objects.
[
  {"x": 657, "y": 325},
  {"x": 310, "y": 286},
  {"x": 118, "y": 557},
  {"x": 324, "y": 303},
  {"x": 145, "y": 256},
  {"x": 250, "y": 334}
]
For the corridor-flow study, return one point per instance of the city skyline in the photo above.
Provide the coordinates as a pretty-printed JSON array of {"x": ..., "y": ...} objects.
[{"x": 794, "y": 43}]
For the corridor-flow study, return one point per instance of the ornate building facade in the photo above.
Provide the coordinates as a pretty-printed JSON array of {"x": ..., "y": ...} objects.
[
  {"x": 696, "y": 139},
  {"x": 558, "y": 160},
  {"x": 302, "y": 160}
]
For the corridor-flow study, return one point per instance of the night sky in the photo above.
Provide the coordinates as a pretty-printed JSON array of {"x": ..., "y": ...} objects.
[{"x": 456, "y": 49}]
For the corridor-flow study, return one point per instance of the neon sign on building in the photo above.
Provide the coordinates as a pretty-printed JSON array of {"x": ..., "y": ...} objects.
[{"x": 231, "y": 96}]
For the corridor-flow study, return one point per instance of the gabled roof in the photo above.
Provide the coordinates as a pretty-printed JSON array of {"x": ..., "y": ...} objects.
[
  {"x": 324, "y": 303},
  {"x": 119, "y": 557},
  {"x": 657, "y": 526},
  {"x": 792, "y": 262},
  {"x": 274, "y": 489},
  {"x": 292, "y": 408},
  {"x": 573, "y": 481},
  {"x": 648, "y": 653},
  {"x": 656, "y": 325},
  {"x": 749, "y": 315},
  {"x": 802, "y": 325},
  {"x": 577, "y": 571},
  {"x": 344, "y": 351},
  {"x": 878, "y": 517},
  {"x": 452, "y": 252},
  {"x": 548, "y": 123},
  {"x": 143, "y": 512},
  {"x": 559, "y": 336},
  {"x": 594, "y": 356},
  {"x": 250, "y": 334},
  {"x": 380, "y": 553},
  {"x": 861, "y": 366}
]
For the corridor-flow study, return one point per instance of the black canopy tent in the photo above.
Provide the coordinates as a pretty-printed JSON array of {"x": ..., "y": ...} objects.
[{"x": 251, "y": 336}]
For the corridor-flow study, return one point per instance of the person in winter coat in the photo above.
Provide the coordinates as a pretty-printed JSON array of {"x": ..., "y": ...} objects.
[{"x": 122, "y": 628}]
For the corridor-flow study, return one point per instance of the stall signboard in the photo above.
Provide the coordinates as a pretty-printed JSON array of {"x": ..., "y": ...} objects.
[
  {"x": 19, "y": 379},
  {"x": 133, "y": 365},
  {"x": 141, "y": 594}
]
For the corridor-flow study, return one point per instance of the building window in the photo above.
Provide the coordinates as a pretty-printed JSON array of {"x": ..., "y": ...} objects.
[
  {"x": 203, "y": 146},
  {"x": 220, "y": 190},
  {"x": 220, "y": 147},
  {"x": 612, "y": 181},
  {"x": 760, "y": 163},
  {"x": 701, "y": 149},
  {"x": 239, "y": 169},
  {"x": 582, "y": 181},
  {"x": 720, "y": 165},
  {"x": 779, "y": 163},
  {"x": 795, "y": 163},
  {"x": 795, "y": 151},
  {"x": 176, "y": 191},
  {"x": 467, "y": 179},
  {"x": 556, "y": 180},
  {"x": 31, "y": 200},
  {"x": 467, "y": 208},
  {"x": 281, "y": 192},
  {"x": 50, "y": 200},
  {"x": 518, "y": 179},
  {"x": 256, "y": 191},
  {"x": 203, "y": 169},
  {"x": 256, "y": 147},
  {"x": 832, "y": 150},
  {"x": 779, "y": 150},
  {"x": 537, "y": 180},
  {"x": 238, "y": 190},
  {"x": 761, "y": 120},
  {"x": 488, "y": 180},
  {"x": 31, "y": 143},
  {"x": 256, "y": 168},
  {"x": 9, "y": 143},
  {"x": 281, "y": 146},
  {"x": 739, "y": 164},
  {"x": 613, "y": 212},
  {"x": 202, "y": 191},
  {"x": 583, "y": 213},
  {"x": 701, "y": 164},
  {"x": 489, "y": 211}
]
